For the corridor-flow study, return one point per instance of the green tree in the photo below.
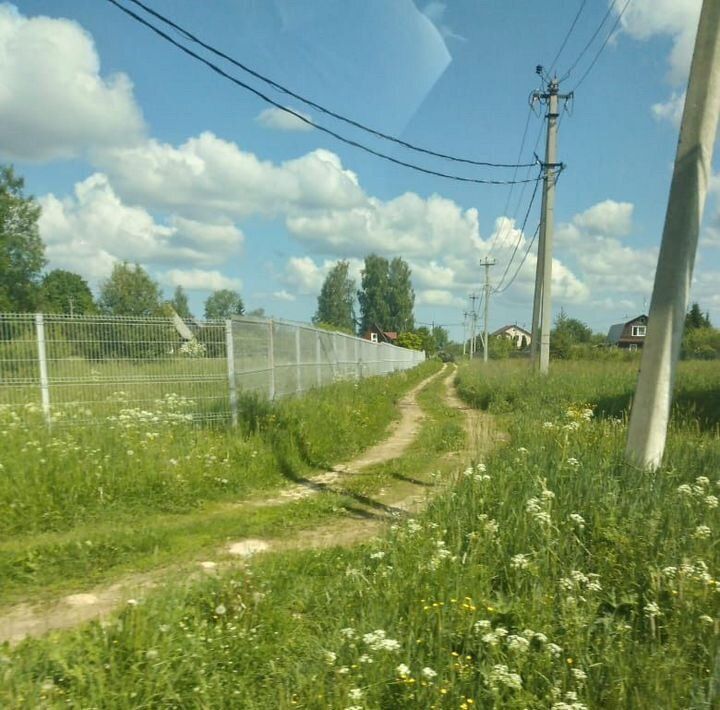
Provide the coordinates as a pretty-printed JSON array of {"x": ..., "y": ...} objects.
[
  {"x": 179, "y": 302},
  {"x": 130, "y": 292},
  {"x": 22, "y": 253},
  {"x": 335, "y": 306},
  {"x": 401, "y": 296},
  {"x": 66, "y": 292},
  {"x": 570, "y": 330},
  {"x": 223, "y": 304},
  {"x": 441, "y": 337},
  {"x": 696, "y": 319},
  {"x": 410, "y": 340},
  {"x": 373, "y": 294}
]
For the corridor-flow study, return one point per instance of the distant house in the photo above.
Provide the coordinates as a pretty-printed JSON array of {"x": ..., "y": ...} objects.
[
  {"x": 629, "y": 335},
  {"x": 378, "y": 335},
  {"x": 518, "y": 335}
]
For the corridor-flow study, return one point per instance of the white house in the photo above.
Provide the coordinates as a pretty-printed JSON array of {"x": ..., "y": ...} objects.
[{"x": 518, "y": 335}]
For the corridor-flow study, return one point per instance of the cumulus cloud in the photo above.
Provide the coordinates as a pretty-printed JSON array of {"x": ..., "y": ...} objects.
[
  {"x": 306, "y": 277},
  {"x": 199, "y": 279},
  {"x": 408, "y": 225},
  {"x": 54, "y": 103},
  {"x": 283, "y": 295},
  {"x": 279, "y": 120},
  {"x": 91, "y": 230},
  {"x": 677, "y": 19},
  {"x": 438, "y": 297},
  {"x": 206, "y": 175}
]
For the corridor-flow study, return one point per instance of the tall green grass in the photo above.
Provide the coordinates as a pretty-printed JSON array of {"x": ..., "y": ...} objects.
[{"x": 551, "y": 576}]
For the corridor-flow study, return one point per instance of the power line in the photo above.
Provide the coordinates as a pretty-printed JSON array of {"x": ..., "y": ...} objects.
[
  {"x": 319, "y": 107},
  {"x": 520, "y": 236},
  {"x": 567, "y": 36},
  {"x": 520, "y": 265},
  {"x": 589, "y": 42},
  {"x": 603, "y": 45}
]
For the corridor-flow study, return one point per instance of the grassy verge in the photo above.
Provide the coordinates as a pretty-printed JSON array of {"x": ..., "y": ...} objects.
[
  {"x": 556, "y": 577},
  {"x": 83, "y": 503}
]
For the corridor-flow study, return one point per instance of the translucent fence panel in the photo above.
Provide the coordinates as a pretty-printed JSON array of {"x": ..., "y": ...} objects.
[{"x": 75, "y": 369}]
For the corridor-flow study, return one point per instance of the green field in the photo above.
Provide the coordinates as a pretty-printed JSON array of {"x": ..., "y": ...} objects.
[{"x": 552, "y": 575}]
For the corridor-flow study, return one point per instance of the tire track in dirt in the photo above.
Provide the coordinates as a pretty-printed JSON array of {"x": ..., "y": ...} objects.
[{"x": 30, "y": 620}]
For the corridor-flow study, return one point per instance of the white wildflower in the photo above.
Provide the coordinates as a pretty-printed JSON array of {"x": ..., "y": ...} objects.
[
  {"x": 652, "y": 610},
  {"x": 684, "y": 489},
  {"x": 554, "y": 649},
  {"x": 702, "y": 532},
  {"x": 481, "y": 625},
  {"x": 711, "y": 501},
  {"x": 707, "y": 619},
  {"x": 402, "y": 670},
  {"x": 330, "y": 657},
  {"x": 703, "y": 481},
  {"x": 348, "y": 632},
  {"x": 520, "y": 561},
  {"x": 579, "y": 674},
  {"x": 355, "y": 694},
  {"x": 577, "y": 519},
  {"x": 518, "y": 644},
  {"x": 220, "y": 609},
  {"x": 572, "y": 461},
  {"x": 429, "y": 673},
  {"x": 500, "y": 675}
]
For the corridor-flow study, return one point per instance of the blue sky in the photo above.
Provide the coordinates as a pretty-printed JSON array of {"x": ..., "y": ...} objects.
[{"x": 137, "y": 152}]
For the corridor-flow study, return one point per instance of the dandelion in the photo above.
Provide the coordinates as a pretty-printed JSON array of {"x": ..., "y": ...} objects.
[
  {"x": 429, "y": 673},
  {"x": 220, "y": 609}
]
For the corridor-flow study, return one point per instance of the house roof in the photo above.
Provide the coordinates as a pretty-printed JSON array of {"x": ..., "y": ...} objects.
[
  {"x": 616, "y": 330},
  {"x": 505, "y": 328}
]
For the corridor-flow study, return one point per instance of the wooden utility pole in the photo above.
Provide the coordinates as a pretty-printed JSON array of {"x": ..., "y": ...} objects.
[{"x": 693, "y": 164}]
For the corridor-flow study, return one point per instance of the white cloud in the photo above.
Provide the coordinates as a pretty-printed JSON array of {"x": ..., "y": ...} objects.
[
  {"x": 306, "y": 277},
  {"x": 283, "y": 295},
  {"x": 279, "y": 120},
  {"x": 670, "y": 110},
  {"x": 199, "y": 280},
  {"x": 207, "y": 175},
  {"x": 92, "y": 229},
  {"x": 438, "y": 297},
  {"x": 408, "y": 225},
  {"x": 677, "y": 19},
  {"x": 607, "y": 217},
  {"x": 53, "y": 101}
]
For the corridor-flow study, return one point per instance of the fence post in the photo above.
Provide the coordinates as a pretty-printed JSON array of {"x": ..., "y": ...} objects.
[
  {"x": 318, "y": 358},
  {"x": 232, "y": 383},
  {"x": 271, "y": 360},
  {"x": 298, "y": 366},
  {"x": 358, "y": 360},
  {"x": 42, "y": 362}
]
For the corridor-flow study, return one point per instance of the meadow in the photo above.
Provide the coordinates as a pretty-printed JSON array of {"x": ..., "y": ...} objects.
[{"x": 550, "y": 575}]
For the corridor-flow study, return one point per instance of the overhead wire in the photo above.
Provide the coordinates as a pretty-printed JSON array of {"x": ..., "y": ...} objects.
[
  {"x": 603, "y": 45},
  {"x": 578, "y": 59},
  {"x": 299, "y": 116},
  {"x": 520, "y": 265},
  {"x": 499, "y": 288},
  {"x": 313, "y": 104},
  {"x": 567, "y": 35}
]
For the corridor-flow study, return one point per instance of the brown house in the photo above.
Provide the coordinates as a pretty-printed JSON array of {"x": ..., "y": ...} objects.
[
  {"x": 630, "y": 335},
  {"x": 378, "y": 335}
]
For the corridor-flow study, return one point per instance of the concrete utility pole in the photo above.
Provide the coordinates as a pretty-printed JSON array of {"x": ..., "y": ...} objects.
[
  {"x": 473, "y": 324},
  {"x": 465, "y": 329},
  {"x": 653, "y": 397},
  {"x": 487, "y": 262},
  {"x": 542, "y": 302}
]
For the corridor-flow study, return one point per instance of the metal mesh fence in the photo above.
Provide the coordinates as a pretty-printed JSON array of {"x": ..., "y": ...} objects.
[{"x": 79, "y": 369}]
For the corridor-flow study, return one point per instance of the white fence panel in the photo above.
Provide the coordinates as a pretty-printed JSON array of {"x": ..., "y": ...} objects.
[{"x": 76, "y": 369}]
